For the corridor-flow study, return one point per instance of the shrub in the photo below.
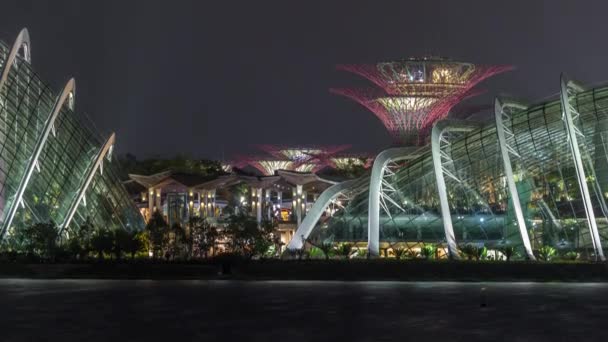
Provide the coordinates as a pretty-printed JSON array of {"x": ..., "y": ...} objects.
[
  {"x": 411, "y": 254},
  {"x": 508, "y": 251},
  {"x": 399, "y": 252},
  {"x": 428, "y": 251},
  {"x": 344, "y": 249},
  {"x": 546, "y": 253}
]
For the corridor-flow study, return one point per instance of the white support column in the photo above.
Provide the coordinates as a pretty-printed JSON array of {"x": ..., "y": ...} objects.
[
  {"x": 159, "y": 202},
  {"x": 66, "y": 95},
  {"x": 254, "y": 201},
  {"x": 212, "y": 202},
  {"x": 268, "y": 203},
  {"x": 151, "y": 199},
  {"x": 505, "y": 136},
  {"x": 258, "y": 211},
  {"x": 375, "y": 192},
  {"x": 570, "y": 117},
  {"x": 437, "y": 136},
  {"x": 203, "y": 205},
  {"x": 104, "y": 152},
  {"x": 297, "y": 201},
  {"x": 315, "y": 213}
]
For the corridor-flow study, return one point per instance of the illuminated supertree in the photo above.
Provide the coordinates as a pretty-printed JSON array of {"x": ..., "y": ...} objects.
[
  {"x": 266, "y": 165},
  {"x": 415, "y": 93},
  {"x": 345, "y": 161},
  {"x": 304, "y": 158}
]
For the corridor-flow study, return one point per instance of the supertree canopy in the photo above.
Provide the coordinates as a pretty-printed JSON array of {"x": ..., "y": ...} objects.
[
  {"x": 310, "y": 158},
  {"x": 267, "y": 165},
  {"x": 415, "y": 93},
  {"x": 345, "y": 161}
]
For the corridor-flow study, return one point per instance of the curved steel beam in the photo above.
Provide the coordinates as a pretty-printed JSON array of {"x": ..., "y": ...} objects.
[
  {"x": 505, "y": 149},
  {"x": 97, "y": 165},
  {"x": 315, "y": 212},
  {"x": 66, "y": 95},
  {"x": 570, "y": 116},
  {"x": 375, "y": 183},
  {"x": 439, "y": 128},
  {"x": 22, "y": 41}
]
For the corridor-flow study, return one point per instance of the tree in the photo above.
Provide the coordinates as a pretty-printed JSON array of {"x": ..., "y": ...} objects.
[
  {"x": 246, "y": 238},
  {"x": 102, "y": 242},
  {"x": 135, "y": 243},
  {"x": 271, "y": 237},
  {"x": 241, "y": 231},
  {"x": 42, "y": 239},
  {"x": 204, "y": 236},
  {"x": 177, "y": 241},
  {"x": 121, "y": 242},
  {"x": 156, "y": 229}
]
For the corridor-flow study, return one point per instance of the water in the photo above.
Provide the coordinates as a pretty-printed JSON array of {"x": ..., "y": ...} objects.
[{"x": 126, "y": 310}]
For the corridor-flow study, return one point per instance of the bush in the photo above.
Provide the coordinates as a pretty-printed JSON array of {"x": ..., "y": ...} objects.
[
  {"x": 508, "y": 251},
  {"x": 546, "y": 253},
  {"x": 399, "y": 252},
  {"x": 344, "y": 249},
  {"x": 428, "y": 251}
]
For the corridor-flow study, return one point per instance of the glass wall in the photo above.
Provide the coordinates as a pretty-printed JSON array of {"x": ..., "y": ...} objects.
[
  {"x": 67, "y": 158},
  {"x": 480, "y": 205}
]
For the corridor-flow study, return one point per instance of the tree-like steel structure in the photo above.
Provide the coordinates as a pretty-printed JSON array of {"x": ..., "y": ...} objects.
[
  {"x": 415, "y": 93},
  {"x": 267, "y": 165},
  {"x": 310, "y": 158}
]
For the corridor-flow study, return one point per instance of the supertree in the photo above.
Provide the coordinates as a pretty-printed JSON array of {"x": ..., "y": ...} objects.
[
  {"x": 345, "y": 161},
  {"x": 267, "y": 165},
  {"x": 415, "y": 93},
  {"x": 309, "y": 158}
]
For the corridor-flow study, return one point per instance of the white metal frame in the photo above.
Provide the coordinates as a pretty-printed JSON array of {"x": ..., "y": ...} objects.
[
  {"x": 66, "y": 95},
  {"x": 105, "y": 151},
  {"x": 502, "y": 113},
  {"x": 440, "y": 162},
  {"x": 22, "y": 41},
  {"x": 315, "y": 212},
  {"x": 571, "y": 116},
  {"x": 377, "y": 196}
]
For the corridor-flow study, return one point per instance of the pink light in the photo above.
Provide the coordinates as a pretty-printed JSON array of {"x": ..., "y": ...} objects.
[{"x": 414, "y": 94}]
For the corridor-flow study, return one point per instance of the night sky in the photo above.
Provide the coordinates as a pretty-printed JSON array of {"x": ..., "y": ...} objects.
[{"x": 211, "y": 80}]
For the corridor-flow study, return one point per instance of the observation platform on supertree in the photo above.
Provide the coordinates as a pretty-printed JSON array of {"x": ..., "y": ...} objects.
[{"x": 413, "y": 94}]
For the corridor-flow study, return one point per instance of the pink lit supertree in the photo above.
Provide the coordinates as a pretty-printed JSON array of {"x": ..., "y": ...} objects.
[{"x": 415, "y": 93}]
